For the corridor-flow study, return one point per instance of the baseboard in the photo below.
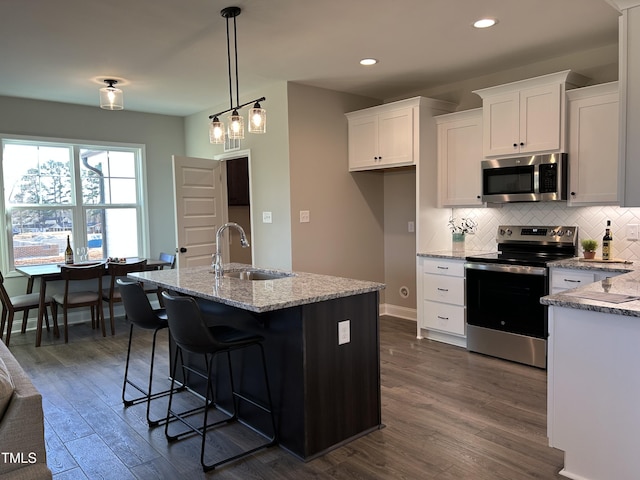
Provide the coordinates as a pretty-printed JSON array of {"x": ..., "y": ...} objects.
[{"x": 400, "y": 312}]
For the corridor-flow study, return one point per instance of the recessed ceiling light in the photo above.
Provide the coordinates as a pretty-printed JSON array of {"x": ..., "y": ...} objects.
[
  {"x": 485, "y": 23},
  {"x": 368, "y": 61}
]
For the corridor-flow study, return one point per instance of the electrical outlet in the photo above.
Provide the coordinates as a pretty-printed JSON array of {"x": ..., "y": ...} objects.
[
  {"x": 266, "y": 217},
  {"x": 411, "y": 227},
  {"x": 344, "y": 332},
  {"x": 632, "y": 231},
  {"x": 304, "y": 216}
]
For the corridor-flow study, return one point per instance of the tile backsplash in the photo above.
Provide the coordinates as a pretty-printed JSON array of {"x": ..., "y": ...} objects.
[{"x": 591, "y": 222}]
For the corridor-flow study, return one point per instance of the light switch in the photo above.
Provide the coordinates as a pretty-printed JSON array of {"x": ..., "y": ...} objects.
[
  {"x": 266, "y": 217},
  {"x": 344, "y": 332},
  {"x": 632, "y": 231},
  {"x": 304, "y": 216}
]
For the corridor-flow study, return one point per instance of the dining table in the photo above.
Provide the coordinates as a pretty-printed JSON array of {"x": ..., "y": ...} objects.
[{"x": 52, "y": 272}]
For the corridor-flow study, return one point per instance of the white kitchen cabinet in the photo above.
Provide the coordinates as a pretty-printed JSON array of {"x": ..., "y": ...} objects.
[
  {"x": 441, "y": 309},
  {"x": 526, "y": 117},
  {"x": 593, "y": 144},
  {"x": 459, "y": 158},
  {"x": 388, "y": 135}
]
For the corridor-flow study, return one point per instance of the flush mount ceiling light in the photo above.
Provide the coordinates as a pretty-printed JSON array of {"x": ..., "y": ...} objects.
[
  {"x": 485, "y": 23},
  {"x": 110, "y": 96},
  {"x": 368, "y": 61},
  {"x": 257, "y": 114}
]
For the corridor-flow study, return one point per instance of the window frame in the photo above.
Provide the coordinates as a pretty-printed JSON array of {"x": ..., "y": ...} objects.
[{"x": 77, "y": 207}]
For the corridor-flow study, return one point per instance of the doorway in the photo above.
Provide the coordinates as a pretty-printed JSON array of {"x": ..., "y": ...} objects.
[{"x": 239, "y": 207}]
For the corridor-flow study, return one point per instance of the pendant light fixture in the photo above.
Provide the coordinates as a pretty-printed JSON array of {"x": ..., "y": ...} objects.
[
  {"x": 110, "y": 96},
  {"x": 257, "y": 115}
]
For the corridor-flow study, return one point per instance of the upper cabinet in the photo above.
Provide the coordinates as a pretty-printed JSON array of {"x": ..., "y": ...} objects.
[
  {"x": 459, "y": 157},
  {"x": 593, "y": 144},
  {"x": 388, "y": 135},
  {"x": 629, "y": 102},
  {"x": 526, "y": 117}
]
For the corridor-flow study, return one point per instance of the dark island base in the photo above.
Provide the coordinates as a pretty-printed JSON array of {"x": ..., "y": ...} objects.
[{"x": 324, "y": 394}]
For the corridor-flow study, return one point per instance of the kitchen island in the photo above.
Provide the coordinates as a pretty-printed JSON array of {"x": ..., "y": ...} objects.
[
  {"x": 593, "y": 382},
  {"x": 321, "y": 342}
]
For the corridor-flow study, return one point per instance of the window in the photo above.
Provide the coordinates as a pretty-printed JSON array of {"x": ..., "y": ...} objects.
[{"x": 52, "y": 190}]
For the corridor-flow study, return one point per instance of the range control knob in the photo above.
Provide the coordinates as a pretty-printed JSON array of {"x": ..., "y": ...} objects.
[
  {"x": 502, "y": 231},
  {"x": 569, "y": 233},
  {"x": 508, "y": 232},
  {"x": 560, "y": 233},
  {"x": 553, "y": 233}
]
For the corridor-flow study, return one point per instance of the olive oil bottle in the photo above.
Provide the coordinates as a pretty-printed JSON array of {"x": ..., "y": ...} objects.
[
  {"x": 607, "y": 242},
  {"x": 68, "y": 253}
]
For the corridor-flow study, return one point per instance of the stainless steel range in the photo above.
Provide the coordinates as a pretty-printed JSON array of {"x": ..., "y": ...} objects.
[{"x": 504, "y": 316}]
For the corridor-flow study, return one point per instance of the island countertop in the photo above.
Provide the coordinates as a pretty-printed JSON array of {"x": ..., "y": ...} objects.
[{"x": 259, "y": 295}]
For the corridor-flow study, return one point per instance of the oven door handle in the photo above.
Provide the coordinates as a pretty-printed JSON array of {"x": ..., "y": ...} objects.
[{"x": 517, "y": 269}]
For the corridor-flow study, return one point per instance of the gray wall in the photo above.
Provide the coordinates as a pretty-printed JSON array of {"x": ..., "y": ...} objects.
[
  {"x": 269, "y": 176},
  {"x": 345, "y": 234},
  {"x": 162, "y": 136}
]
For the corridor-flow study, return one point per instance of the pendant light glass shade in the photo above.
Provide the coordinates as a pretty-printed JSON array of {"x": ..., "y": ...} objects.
[
  {"x": 111, "y": 98},
  {"x": 257, "y": 119},
  {"x": 236, "y": 126},
  {"x": 216, "y": 131}
]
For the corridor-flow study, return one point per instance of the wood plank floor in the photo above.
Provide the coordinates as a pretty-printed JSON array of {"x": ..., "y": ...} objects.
[{"x": 449, "y": 414}]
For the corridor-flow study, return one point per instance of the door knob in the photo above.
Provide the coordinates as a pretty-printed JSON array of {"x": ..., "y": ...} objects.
[{"x": 183, "y": 250}]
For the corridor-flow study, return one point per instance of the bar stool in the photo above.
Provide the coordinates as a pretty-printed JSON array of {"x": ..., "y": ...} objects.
[
  {"x": 190, "y": 333},
  {"x": 141, "y": 314}
]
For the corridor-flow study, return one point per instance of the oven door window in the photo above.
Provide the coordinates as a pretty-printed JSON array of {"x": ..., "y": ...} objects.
[
  {"x": 507, "y": 301},
  {"x": 508, "y": 180}
]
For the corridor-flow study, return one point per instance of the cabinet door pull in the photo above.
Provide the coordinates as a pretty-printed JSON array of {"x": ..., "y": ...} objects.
[
  {"x": 572, "y": 281},
  {"x": 443, "y": 289},
  {"x": 443, "y": 318},
  {"x": 515, "y": 145},
  {"x": 522, "y": 144},
  {"x": 443, "y": 268}
]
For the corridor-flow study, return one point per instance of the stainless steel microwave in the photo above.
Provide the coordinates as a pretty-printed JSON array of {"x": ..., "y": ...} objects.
[{"x": 538, "y": 178}]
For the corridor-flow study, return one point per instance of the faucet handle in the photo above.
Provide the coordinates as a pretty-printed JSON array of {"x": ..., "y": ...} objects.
[{"x": 216, "y": 264}]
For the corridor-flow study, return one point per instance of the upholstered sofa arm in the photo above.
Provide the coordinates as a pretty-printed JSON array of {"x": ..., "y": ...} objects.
[{"x": 22, "y": 446}]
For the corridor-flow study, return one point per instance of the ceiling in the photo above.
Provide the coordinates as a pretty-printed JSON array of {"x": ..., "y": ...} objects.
[{"x": 170, "y": 55}]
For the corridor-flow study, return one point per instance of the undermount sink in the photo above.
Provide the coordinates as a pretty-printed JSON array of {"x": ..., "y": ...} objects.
[{"x": 255, "y": 275}]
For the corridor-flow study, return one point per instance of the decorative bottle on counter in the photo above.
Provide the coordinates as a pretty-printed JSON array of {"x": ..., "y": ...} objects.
[
  {"x": 607, "y": 242},
  {"x": 68, "y": 253}
]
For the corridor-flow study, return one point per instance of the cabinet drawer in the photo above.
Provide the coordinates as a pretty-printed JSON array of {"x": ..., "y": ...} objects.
[
  {"x": 565, "y": 279},
  {"x": 443, "y": 317},
  {"x": 438, "y": 266},
  {"x": 440, "y": 288}
]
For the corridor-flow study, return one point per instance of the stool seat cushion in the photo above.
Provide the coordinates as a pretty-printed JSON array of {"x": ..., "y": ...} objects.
[{"x": 232, "y": 337}]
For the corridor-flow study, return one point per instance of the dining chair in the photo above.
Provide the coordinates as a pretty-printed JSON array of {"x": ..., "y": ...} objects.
[
  {"x": 84, "y": 298},
  {"x": 112, "y": 295},
  {"x": 191, "y": 334},
  {"x": 171, "y": 260},
  {"x": 21, "y": 303}
]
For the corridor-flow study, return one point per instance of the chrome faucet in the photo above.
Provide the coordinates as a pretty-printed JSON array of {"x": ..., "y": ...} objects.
[{"x": 216, "y": 263}]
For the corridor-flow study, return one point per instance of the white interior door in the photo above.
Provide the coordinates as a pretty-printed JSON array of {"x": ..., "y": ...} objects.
[{"x": 200, "y": 207}]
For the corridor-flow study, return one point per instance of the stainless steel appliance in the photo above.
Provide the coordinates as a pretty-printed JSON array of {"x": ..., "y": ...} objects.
[
  {"x": 538, "y": 178},
  {"x": 504, "y": 316}
]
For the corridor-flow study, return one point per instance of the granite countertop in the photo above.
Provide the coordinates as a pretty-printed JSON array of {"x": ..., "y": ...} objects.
[
  {"x": 453, "y": 254},
  {"x": 576, "y": 263},
  {"x": 260, "y": 295},
  {"x": 619, "y": 295}
]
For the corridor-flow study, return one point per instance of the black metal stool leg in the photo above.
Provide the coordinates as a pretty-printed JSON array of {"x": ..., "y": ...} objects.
[{"x": 147, "y": 395}]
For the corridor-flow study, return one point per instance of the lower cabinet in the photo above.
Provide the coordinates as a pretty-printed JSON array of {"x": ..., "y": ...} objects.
[
  {"x": 566, "y": 278},
  {"x": 441, "y": 309}
]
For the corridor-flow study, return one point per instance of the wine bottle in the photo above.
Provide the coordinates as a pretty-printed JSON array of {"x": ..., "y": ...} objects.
[
  {"x": 68, "y": 253},
  {"x": 607, "y": 242}
]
